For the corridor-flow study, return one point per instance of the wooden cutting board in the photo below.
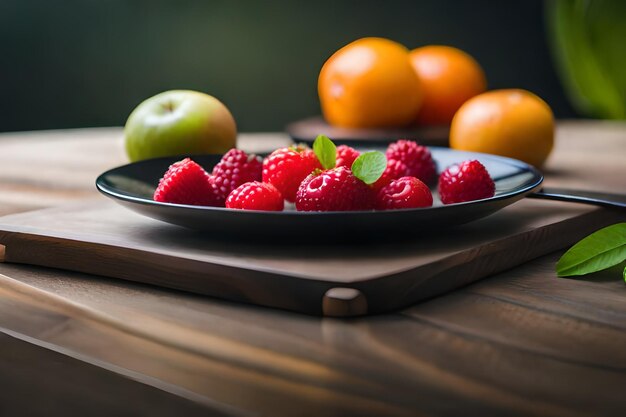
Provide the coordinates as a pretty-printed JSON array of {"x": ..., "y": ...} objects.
[{"x": 103, "y": 238}]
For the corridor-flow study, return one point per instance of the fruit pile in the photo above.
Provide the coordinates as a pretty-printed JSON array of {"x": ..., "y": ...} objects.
[
  {"x": 325, "y": 178},
  {"x": 378, "y": 83}
]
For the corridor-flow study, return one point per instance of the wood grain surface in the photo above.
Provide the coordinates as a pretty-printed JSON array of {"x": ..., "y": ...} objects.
[
  {"x": 70, "y": 387},
  {"x": 522, "y": 342},
  {"x": 514, "y": 344}
]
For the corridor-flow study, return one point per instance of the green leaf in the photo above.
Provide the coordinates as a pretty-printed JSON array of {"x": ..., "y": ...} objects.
[
  {"x": 600, "y": 250},
  {"x": 587, "y": 44},
  {"x": 326, "y": 151},
  {"x": 369, "y": 166}
]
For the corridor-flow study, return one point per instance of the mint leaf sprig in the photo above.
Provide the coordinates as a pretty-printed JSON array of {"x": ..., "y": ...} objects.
[
  {"x": 326, "y": 151},
  {"x": 368, "y": 167},
  {"x": 598, "y": 251}
]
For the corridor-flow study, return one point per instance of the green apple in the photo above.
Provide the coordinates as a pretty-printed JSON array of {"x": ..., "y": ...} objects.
[{"x": 179, "y": 122}]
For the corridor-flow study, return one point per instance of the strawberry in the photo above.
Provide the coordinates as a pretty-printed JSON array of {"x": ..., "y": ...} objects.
[
  {"x": 346, "y": 156},
  {"x": 186, "y": 182},
  {"x": 395, "y": 169},
  {"x": 417, "y": 158},
  {"x": 336, "y": 189},
  {"x": 404, "y": 193},
  {"x": 285, "y": 169},
  {"x": 466, "y": 181},
  {"x": 235, "y": 168},
  {"x": 256, "y": 195}
]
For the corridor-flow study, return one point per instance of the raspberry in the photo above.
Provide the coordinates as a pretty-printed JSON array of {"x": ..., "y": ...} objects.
[
  {"x": 417, "y": 158},
  {"x": 395, "y": 169},
  {"x": 186, "y": 182},
  {"x": 466, "y": 181},
  {"x": 336, "y": 189},
  {"x": 256, "y": 195},
  {"x": 236, "y": 168},
  {"x": 346, "y": 156},
  {"x": 404, "y": 193},
  {"x": 285, "y": 169}
]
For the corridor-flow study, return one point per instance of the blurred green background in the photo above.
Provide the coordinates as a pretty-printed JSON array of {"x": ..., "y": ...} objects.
[
  {"x": 78, "y": 63},
  {"x": 588, "y": 38}
]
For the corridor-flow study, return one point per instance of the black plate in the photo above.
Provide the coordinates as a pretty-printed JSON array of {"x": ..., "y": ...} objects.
[
  {"x": 132, "y": 186},
  {"x": 306, "y": 131}
]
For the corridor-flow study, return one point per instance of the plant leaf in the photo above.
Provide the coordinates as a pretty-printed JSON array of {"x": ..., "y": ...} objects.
[
  {"x": 600, "y": 250},
  {"x": 369, "y": 166},
  {"x": 326, "y": 151},
  {"x": 586, "y": 42}
]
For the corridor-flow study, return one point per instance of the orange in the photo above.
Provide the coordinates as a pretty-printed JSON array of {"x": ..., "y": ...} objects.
[
  {"x": 369, "y": 83},
  {"x": 449, "y": 78},
  {"x": 513, "y": 123}
]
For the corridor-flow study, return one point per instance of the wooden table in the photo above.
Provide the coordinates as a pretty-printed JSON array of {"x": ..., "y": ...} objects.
[{"x": 523, "y": 342}]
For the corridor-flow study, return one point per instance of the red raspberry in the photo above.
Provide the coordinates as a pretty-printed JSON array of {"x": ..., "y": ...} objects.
[
  {"x": 236, "y": 168},
  {"x": 395, "y": 169},
  {"x": 404, "y": 193},
  {"x": 336, "y": 189},
  {"x": 286, "y": 168},
  {"x": 418, "y": 160},
  {"x": 466, "y": 181},
  {"x": 186, "y": 182},
  {"x": 346, "y": 156},
  {"x": 256, "y": 195}
]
